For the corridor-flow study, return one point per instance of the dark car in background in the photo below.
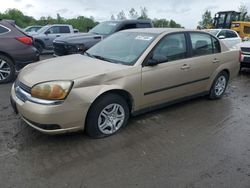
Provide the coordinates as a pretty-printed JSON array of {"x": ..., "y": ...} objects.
[
  {"x": 79, "y": 43},
  {"x": 16, "y": 50}
]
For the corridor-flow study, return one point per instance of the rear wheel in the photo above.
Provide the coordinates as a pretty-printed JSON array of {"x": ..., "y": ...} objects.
[
  {"x": 107, "y": 116},
  {"x": 7, "y": 69},
  {"x": 219, "y": 86}
]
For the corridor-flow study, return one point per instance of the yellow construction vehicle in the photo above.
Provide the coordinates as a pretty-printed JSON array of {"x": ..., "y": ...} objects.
[{"x": 232, "y": 20}]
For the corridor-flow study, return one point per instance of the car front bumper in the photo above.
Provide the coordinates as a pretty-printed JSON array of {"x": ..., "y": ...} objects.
[
  {"x": 68, "y": 116},
  {"x": 245, "y": 61}
]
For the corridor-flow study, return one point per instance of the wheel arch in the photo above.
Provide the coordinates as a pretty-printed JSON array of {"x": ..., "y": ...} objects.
[
  {"x": 39, "y": 41},
  {"x": 8, "y": 56},
  {"x": 123, "y": 93}
]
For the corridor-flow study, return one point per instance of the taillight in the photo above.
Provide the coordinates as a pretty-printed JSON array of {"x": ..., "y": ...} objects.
[{"x": 25, "y": 40}]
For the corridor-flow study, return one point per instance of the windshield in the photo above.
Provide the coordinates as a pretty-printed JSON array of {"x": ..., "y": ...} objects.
[
  {"x": 122, "y": 48},
  {"x": 104, "y": 28},
  {"x": 213, "y": 32},
  {"x": 43, "y": 29}
]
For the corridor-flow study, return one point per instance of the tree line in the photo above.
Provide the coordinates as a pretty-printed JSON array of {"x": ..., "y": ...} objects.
[
  {"x": 133, "y": 14},
  {"x": 81, "y": 22}
]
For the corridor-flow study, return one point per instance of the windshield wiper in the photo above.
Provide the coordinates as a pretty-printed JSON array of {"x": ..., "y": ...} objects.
[
  {"x": 102, "y": 58},
  {"x": 88, "y": 54}
]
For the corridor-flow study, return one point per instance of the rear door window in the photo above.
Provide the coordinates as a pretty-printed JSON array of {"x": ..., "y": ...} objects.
[
  {"x": 64, "y": 29},
  {"x": 231, "y": 34},
  {"x": 3, "y": 30},
  {"x": 204, "y": 44},
  {"x": 201, "y": 44}
]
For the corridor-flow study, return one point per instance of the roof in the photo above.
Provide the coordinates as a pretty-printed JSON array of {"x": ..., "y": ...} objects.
[
  {"x": 156, "y": 30},
  {"x": 130, "y": 21}
]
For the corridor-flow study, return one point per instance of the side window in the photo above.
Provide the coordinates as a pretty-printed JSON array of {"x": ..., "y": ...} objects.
[
  {"x": 143, "y": 25},
  {"x": 3, "y": 30},
  {"x": 216, "y": 45},
  {"x": 64, "y": 29},
  {"x": 54, "y": 30},
  {"x": 201, "y": 44},
  {"x": 222, "y": 33},
  {"x": 231, "y": 34},
  {"x": 173, "y": 47},
  {"x": 128, "y": 26}
]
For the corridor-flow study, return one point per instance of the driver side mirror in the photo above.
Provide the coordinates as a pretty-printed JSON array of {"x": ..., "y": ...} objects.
[{"x": 156, "y": 59}]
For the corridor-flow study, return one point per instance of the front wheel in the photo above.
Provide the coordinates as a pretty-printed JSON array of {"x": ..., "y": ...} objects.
[
  {"x": 219, "y": 86},
  {"x": 107, "y": 116}
]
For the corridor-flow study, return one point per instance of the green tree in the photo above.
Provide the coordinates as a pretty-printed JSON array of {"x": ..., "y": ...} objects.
[
  {"x": 121, "y": 15},
  {"x": 112, "y": 17},
  {"x": 207, "y": 20},
  {"x": 144, "y": 13},
  {"x": 133, "y": 14},
  {"x": 243, "y": 10}
]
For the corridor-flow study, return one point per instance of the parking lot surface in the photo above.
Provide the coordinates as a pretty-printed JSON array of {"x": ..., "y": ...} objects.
[{"x": 199, "y": 143}]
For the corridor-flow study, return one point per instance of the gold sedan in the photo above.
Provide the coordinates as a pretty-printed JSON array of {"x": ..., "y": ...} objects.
[{"x": 128, "y": 73}]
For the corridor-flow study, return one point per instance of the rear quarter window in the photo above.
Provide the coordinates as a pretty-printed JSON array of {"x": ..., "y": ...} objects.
[{"x": 3, "y": 30}]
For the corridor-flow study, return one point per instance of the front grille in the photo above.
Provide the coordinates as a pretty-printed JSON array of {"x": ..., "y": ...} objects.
[
  {"x": 245, "y": 50},
  {"x": 20, "y": 88},
  {"x": 246, "y": 60}
]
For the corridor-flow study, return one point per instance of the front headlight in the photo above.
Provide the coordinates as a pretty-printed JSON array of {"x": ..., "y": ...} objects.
[{"x": 54, "y": 90}]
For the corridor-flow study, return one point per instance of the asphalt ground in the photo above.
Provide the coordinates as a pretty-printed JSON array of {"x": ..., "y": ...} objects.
[{"x": 198, "y": 143}]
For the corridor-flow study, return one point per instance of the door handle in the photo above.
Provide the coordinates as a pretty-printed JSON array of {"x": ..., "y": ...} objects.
[
  {"x": 185, "y": 67},
  {"x": 216, "y": 60},
  {"x": 58, "y": 35}
]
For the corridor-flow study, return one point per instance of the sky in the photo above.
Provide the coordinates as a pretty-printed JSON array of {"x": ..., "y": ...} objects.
[{"x": 187, "y": 13}]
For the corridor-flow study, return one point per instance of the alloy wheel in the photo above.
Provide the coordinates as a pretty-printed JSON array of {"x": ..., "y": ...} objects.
[
  {"x": 111, "y": 119},
  {"x": 4, "y": 70}
]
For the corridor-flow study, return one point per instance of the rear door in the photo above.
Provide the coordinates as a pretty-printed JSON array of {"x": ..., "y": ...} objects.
[{"x": 206, "y": 58}]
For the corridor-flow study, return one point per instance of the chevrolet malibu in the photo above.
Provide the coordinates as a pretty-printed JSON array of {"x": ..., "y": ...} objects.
[{"x": 130, "y": 72}]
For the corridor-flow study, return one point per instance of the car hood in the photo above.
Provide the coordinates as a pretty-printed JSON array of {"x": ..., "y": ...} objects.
[
  {"x": 245, "y": 44},
  {"x": 77, "y": 38},
  {"x": 70, "y": 67}
]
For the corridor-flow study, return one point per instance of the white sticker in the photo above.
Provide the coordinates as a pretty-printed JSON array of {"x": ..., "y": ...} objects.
[
  {"x": 140, "y": 37},
  {"x": 112, "y": 24}
]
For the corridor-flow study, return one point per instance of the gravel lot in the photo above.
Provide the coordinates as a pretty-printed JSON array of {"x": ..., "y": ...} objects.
[{"x": 199, "y": 143}]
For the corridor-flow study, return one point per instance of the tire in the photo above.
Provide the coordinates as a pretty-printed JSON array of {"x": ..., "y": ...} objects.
[
  {"x": 219, "y": 86},
  {"x": 39, "y": 47},
  {"x": 103, "y": 115},
  {"x": 7, "y": 70}
]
